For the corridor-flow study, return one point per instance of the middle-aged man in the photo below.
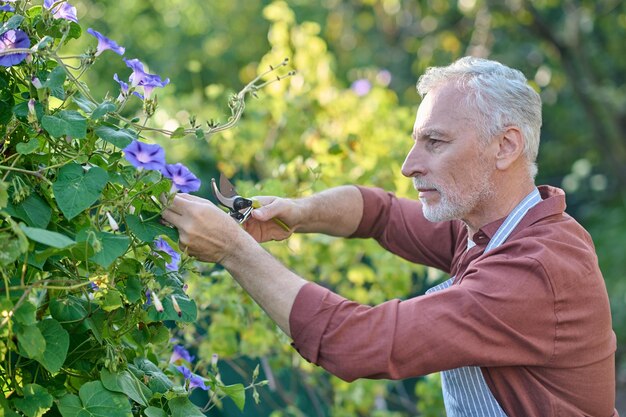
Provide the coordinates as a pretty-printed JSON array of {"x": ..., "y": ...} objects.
[{"x": 523, "y": 327}]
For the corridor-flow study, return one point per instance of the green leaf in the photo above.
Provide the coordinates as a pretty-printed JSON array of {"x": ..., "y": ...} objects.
[
  {"x": 84, "y": 103},
  {"x": 68, "y": 309},
  {"x": 118, "y": 137},
  {"x": 133, "y": 289},
  {"x": 187, "y": 306},
  {"x": 94, "y": 400},
  {"x": 25, "y": 148},
  {"x": 147, "y": 231},
  {"x": 5, "y": 410},
  {"x": 237, "y": 393},
  {"x": 178, "y": 133},
  {"x": 30, "y": 341},
  {"x": 4, "y": 194},
  {"x": 13, "y": 23},
  {"x": 66, "y": 122},
  {"x": 55, "y": 81},
  {"x": 126, "y": 383},
  {"x": 102, "y": 109},
  {"x": 26, "y": 314},
  {"x": 47, "y": 237},
  {"x": 36, "y": 401},
  {"x": 111, "y": 300},
  {"x": 154, "y": 412},
  {"x": 113, "y": 246},
  {"x": 34, "y": 210},
  {"x": 12, "y": 244},
  {"x": 57, "y": 344},
  {"x": 76, "y": 190},
  {"x": 157, "y": 381},
  {"x": 44, "y": 42},
  {"x": 183, "y": 407},
  {"x": 200, "y": 134}
]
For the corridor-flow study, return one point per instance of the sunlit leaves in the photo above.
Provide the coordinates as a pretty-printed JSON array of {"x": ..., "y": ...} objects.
[
  {"x": 77, "y": 189},
  {"x": 95, "y": 400}
]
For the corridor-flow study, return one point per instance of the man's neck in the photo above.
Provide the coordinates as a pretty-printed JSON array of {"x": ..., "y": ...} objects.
[{"x": 503, "y": 201}]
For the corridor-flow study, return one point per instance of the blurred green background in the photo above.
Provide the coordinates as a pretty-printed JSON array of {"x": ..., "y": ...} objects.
[{"x": 346, "y": 117}]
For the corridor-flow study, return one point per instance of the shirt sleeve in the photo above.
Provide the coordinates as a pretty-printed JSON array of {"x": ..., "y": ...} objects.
[
  {"x": 400, "y": 227},
  {"x": 483, "y": 321}
]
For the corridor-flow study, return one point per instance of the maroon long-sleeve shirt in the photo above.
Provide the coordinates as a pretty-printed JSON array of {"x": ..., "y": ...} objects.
[{"x": 533, "y": 313}]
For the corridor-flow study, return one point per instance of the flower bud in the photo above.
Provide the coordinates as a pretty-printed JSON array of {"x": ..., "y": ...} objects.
[
  {"x": 36, "y": 83},
  {"x": 157, "y": 302},
  {"x": 176, "y": 306},
  {"x": 114, "y": 226},
  {"x": 31, "y": 107}
]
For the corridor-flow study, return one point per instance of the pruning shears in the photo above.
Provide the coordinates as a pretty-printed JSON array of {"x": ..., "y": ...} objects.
[{"x": 239, "y": 208}]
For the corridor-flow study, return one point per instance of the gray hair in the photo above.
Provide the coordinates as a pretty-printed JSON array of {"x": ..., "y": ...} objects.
[{"x": 501, "y": 95}]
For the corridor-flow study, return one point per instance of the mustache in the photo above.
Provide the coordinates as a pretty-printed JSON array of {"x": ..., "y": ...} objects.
[{"x": 419, "y": 183}]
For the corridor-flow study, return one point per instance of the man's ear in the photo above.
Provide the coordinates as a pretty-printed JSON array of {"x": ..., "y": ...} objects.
[{"x": 510, "y": 147}]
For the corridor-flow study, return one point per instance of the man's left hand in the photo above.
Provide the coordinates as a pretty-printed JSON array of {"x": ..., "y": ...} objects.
[{"x": 205, "y": 231}]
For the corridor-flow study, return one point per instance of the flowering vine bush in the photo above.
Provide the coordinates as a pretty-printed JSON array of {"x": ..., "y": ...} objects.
[{"x": 92, "y": 282}]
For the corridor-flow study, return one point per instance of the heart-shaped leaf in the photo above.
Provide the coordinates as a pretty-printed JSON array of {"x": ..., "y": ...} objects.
[
  {"x": 94, "y": 400},
  {"x": 76, "y": 189}
]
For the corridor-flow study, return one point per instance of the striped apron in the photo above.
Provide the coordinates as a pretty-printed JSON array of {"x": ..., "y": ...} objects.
[{"x": 465, "y": 392}]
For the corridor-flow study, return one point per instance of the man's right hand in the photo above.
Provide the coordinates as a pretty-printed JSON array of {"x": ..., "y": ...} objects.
[
  {"x": 268, "y": 221},
  {"x": 335, "y": 212}
]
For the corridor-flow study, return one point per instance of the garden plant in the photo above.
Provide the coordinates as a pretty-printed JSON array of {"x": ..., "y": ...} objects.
[{"x": 92, "y": 282}]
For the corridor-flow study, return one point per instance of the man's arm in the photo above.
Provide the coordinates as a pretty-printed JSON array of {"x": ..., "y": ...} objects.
[
  {"x": 336, "y": 212},
  {"x": 210, "y": 235}
]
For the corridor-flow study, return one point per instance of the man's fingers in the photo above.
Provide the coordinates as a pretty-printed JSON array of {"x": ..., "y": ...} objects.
[
  {"x": 195, "y": 198},
  {"x": 171, "y": 217}
]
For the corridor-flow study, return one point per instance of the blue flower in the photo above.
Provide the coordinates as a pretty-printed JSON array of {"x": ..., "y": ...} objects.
[
  {"x": 180, "y": 353},
  {"x": 361, "y": 87},
  {"x": 161, "y": 245},
  {"x": 124, "y": 89},
  {"x": 12, "y": 39},
  {"x": 143, "y": 155},
  {"x": 6, "y": 8},
  {"x": 182, "y": 178},
  {"x": 195, "y": 381},
  {"x": 105, "y": 43},
  {"x": 64, "y": 10},
  {"x": 140, "y": 77},
  {"x": 150, "y": 81},
  {"x": 138, "y": 72}
]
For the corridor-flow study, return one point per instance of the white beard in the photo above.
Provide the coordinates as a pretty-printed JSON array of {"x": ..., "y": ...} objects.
[{"x": 455, "y": 204}]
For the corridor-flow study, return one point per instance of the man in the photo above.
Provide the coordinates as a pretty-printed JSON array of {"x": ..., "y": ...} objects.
[{"x": 523, "y": 327}]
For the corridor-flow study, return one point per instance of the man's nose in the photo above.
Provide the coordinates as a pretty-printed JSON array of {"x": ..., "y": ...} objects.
[{"x": 413, "y": 165}]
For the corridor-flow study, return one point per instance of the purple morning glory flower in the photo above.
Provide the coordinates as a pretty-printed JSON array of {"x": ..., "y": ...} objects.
[
  {"x": 161, "y": 245},
  {"x": 124, "y": 89},
  {"x": 6, "y": 8},
  {"x": 61, "y": 11},
  {"x": 123, "y": 85},
  {"x": 105, "y": 43},
  {"x": 361, "y": 87},
  {"x": 195, "y": 381},
  {"x": 138, "y": 73},
  {"x": 182, "y": 178},
  {"x": 180, "y": 353},
  {"x": 140, "y": 77},
  {"x": 148, "y": 298},
  {"x": 143, "y": 155},
  {"x": 12, "y": 39},
  {"x": 150, "y": 81}
]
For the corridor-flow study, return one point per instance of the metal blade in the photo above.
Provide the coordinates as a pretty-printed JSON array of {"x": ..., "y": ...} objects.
[{"x": 226, "y": 187}]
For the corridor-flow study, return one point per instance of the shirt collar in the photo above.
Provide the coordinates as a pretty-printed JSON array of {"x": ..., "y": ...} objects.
[{"x": 553, "y": 202}]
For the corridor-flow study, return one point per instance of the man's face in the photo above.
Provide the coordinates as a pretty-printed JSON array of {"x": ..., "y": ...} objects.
[{"x": 450, "y": 166}]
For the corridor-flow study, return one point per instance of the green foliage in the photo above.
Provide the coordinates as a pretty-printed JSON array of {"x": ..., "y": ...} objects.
[
  {"x": 305, "y": 134},
  {"x": 88, "y": 298}
]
